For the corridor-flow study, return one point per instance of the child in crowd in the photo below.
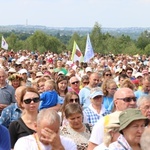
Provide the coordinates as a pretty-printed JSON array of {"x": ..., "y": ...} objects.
[{"x": 49, "y": 97}]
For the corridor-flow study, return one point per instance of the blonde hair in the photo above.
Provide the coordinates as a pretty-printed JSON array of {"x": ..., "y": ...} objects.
[
  {"x": 50, "y": 83},
  {"x": 128, "y": 83},
  {"x": 107, "y": 139}
]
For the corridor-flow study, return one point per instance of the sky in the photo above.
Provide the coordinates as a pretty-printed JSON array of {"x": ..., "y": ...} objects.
[{"x": 76, "y": 13}]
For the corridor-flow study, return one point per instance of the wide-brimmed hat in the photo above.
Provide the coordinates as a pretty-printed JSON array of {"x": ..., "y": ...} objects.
[
  {"x": 129, "y": 115},
  {"x": 113, "y": 120}
]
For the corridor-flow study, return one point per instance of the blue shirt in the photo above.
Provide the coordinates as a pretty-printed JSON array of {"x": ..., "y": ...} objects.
[
  {"x": 139, "y": 93},
  {"x": 10, "y": 114},
  {"x": 4, "y": 138},
  {"x": 48, "y": 99},
  {"x": 84, "y": 96}
]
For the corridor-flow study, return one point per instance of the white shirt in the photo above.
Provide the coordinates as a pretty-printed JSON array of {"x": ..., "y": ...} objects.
[{"x": 29, "y": 143}]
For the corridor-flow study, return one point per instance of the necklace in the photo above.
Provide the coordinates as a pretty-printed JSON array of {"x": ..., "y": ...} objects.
[{"x": 37, "y": 141}]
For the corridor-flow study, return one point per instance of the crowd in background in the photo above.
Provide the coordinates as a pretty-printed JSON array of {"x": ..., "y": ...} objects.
[{"x": 103, "y": 104}]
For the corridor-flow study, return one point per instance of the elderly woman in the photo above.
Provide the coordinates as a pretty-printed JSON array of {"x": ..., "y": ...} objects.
[
  {"x": 111, "y": 132},
  {"x": 96, "y": 109},
  {"x": 143, "y": 104},
  {"x": 76, "y": 129},
  {"x": 132, "y": 125}
]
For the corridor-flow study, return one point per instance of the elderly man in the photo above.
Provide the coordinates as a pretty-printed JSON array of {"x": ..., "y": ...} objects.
[
  {"x": 123, "y": 98},
  {"x": 12, "y": 112},
  {"x": 47, "y": 136},
  {"x": 85, "y": 92},
  {"x": 7, "y": 92},
  {"x": 74, "y": 84}
]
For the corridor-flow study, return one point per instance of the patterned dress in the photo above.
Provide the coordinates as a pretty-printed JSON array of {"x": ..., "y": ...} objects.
[{"x": 80, "y": 138}]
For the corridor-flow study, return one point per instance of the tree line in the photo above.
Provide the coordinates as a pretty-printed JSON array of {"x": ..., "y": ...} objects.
[{"x": 103, "y": 43}]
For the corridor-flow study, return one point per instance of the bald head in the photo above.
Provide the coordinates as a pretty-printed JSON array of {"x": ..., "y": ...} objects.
[
  {"x": 120, "y": 97},
  {"x": 122, "y": 92},
  {"x": 18, "y": 93}
]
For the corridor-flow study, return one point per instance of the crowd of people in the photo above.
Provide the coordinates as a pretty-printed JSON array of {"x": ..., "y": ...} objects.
[{"x": 49, "y": 102}]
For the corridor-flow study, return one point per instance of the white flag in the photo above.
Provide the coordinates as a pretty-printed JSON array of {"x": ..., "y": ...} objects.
[
  {"x": 89, "y": 53},
  {"x": 4, "y": 44}
]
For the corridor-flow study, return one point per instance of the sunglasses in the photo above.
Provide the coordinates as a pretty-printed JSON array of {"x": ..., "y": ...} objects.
[
  {"x": 76, "y": 100},
  {"x": 108, "y": 74},
  {"x": 128, "y": 99},
  {"x": 51, "y": 68},
  {"x": 76, "y": 82},
  {"x": 35, "y": 100}
]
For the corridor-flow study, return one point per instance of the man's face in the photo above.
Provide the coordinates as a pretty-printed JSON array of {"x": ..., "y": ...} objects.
[
  {"x": 2, "y": 77},
  {"x": 129, "y": 73},
  {"x": 124, "y": 100},
  {"x": 45, "y": 126},
  {"x": 94, "y": 80},
  {"x": 146, "y": 86},
  {"x": 75, "y": 83}
]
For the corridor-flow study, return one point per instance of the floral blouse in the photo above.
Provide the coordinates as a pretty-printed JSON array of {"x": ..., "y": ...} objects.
[{"x": 80, "y": 138}]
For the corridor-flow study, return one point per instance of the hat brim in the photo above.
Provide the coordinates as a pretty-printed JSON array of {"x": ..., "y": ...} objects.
[{"x": 131, "y": 120}]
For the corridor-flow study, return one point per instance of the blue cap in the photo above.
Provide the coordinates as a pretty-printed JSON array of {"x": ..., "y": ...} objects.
[{"x": 96, "y": 93}]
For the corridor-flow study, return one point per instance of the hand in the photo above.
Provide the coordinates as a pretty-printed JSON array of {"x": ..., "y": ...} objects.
[
  {"x": 2, "y": 106},
  {"x": 49, "y": 137}
]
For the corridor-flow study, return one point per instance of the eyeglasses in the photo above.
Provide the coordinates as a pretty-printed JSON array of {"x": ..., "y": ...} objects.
[
  {"x": 35, "y": 100},
  {"x": 51, "y": 68},
  {"x": 76, "y": 82},
  {"x": 85, "y": 82},
  {"x": 128, "y": 99},
  {"x": 76, "y": 100},
  {"x": 108, "y": 74}
]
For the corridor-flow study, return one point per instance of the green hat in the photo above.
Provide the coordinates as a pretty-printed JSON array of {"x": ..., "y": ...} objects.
[{"x": 129, "y": 115}]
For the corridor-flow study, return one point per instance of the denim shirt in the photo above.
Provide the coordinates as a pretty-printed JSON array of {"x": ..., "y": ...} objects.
[{"x": 10, "y": 114}]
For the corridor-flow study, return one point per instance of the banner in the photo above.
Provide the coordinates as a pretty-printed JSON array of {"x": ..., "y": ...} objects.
[{"x": 89, "y": 53}]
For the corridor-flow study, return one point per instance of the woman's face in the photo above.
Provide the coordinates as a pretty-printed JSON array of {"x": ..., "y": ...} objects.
[
  {"x": 62, "y": 85},
  {"x": 107, "y": 75},
  {"x": 34, "y": 104},
  {"x": 85, "y": 82},
  {"x": 112, "y": 89},
  {"x": 74, "y": 99},
  {"x": 97, "y": 101},
  {"x": 134, "y": 131},
  {"x": 15, "y": 83},
  {"x": 75, "y": 120}
]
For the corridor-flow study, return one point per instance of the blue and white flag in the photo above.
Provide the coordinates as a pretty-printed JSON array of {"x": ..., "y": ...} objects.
[
  {"x": 4, "y": 44},
  {"x": 89, "y": 53}
]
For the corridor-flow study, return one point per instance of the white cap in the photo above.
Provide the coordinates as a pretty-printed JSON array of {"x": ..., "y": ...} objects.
[
  {"x": 12, "y": 70},
  {"x": 88, "y": 69},
  {"x": 138, "y": 74},
  {"x": 23, "y": 71}
]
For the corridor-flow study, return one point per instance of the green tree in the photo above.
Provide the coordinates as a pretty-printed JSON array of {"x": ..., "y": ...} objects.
[{"x": 96, "y": 38}]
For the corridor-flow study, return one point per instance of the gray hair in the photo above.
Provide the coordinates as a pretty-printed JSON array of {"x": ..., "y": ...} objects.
[
  {"x": 145, "y": 142},
  {"x": 48, "y": 114},
  {"x": 142, "y": 99}
]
